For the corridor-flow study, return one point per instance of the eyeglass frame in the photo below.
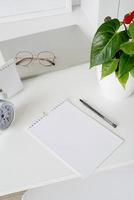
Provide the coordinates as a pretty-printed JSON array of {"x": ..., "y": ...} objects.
[{"x": 36, "y": 58}]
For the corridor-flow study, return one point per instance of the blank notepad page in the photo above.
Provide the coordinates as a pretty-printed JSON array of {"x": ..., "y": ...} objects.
[{"x": 76, "y": 138}]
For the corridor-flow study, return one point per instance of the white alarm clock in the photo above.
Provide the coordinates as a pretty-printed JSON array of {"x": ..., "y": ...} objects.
[{"x": 6, "y": 114}]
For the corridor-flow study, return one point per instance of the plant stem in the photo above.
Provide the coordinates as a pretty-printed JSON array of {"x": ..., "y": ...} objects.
[{"x": 124, "y": 26}]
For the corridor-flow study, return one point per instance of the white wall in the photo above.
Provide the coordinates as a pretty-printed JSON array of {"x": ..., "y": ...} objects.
[
  {"x": 91, "y": 9},
  {"x": 76, "y": 2},
  {"x": 125, "y": 7},
  {"x": 108, "y": 8},
  {"x": 97, "y": 10}
]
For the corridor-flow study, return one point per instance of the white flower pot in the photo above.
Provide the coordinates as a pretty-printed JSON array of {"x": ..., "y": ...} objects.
[{"x": 112, "y": 89}]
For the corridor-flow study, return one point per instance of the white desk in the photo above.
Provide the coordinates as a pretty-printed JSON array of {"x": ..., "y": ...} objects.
[{"x": 24, "y": 163}]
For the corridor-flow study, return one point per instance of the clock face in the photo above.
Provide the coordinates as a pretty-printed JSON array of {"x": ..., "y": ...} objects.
[{"x": 6, "y": 115}]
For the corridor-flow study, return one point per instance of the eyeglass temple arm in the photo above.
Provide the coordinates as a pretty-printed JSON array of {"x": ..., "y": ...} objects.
[
  {"x": 51, "y": 62},
  {"x": 23, "y": 59},
  {"x": 18, "y": 62}
]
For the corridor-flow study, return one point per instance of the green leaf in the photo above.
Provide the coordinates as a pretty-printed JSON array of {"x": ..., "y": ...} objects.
[
  {"x": 128, "y": 48},
  {"x": 109, "y": 67},
  {"x": 131, "y": 30},
  {"x": 130, "y": 37},
  {"x": 107, "y": 42},
  {"x": 125, "y": 65},
  {"x": 123, "y": 80},
  {"x": 132, "y": 72}
]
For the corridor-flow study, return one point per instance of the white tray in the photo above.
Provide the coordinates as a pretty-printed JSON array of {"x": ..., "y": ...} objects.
[{"x": 69, "y": 44}]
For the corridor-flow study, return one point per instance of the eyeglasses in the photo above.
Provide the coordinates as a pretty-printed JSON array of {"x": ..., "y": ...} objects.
[{"x": 25, "y": 58}]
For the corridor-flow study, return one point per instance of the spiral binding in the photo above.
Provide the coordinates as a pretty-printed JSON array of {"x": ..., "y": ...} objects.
[
  {"x": 37, "y": 121},
  {"x": 44, "y": 115},
  {"x": 54, "y": 108}
]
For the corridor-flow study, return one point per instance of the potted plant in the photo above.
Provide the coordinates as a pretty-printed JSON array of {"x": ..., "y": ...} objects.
[{"x": 112, "y": 51}]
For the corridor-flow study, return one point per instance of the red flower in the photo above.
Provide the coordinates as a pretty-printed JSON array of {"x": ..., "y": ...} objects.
[
  {"x": 127, "y": 19},
  {"x": 132, "y": 14}
]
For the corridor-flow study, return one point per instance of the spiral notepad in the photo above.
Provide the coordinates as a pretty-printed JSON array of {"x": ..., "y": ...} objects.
[{"x": 77, "y": 139}]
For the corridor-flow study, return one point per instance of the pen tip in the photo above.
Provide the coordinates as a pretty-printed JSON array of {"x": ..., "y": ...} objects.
[{"x": 115, "y": 125}]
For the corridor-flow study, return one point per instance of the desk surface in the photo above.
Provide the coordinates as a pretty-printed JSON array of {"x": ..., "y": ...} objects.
[{"x": 24, "y": 163}]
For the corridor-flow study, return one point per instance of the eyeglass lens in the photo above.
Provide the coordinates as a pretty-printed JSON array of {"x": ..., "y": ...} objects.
[
  {"x": 24, "y": 58},
  {"x": 46, "y": 58}
]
